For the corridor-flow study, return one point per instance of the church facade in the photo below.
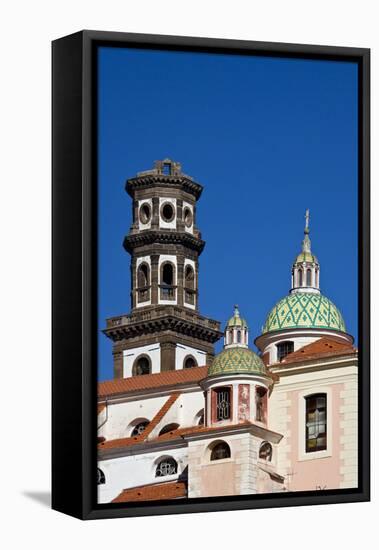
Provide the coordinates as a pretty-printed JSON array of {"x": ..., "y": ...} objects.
[{"x": 178, "y": 421}]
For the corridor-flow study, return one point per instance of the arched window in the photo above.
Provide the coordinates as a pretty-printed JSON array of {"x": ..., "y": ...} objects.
[
  {"x": 189, "y": 362},
  {"x": 169, "y": 428},
  {"x": 189, "y": 284},
  {"x": 140, "y": 427},
  {"x": 238, "y": 336},
  {"x": 265, "y": 451},
  {"x": 315, "y": 422},
  {"x": 300, "y": 272},
  {"x": 220, "y": 451},
  {"x": 167, "y": 281},
  {"x": 284, "y": 349},
  {"x": 142, "y": 365},
  {"x": 309, "y": 277},
  {"x": 143, "y": 282},
  {"x": 261, "y": 404},
  {"x": 166, "y": 467},
  {"x": 145, "y": 213},
  {"x": 100, "y": 477},
  {"x": 200, "y": 421}
]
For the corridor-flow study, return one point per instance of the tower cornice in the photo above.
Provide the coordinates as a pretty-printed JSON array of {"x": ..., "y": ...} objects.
[
  {"x": 148, "y": 181},
  {"x": 158, "y": 319},
  {"x": 147, "y": 237}
]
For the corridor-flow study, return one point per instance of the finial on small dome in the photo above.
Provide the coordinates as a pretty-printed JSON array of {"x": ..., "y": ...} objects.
[
  {"x": 306, "y": 241},
  {"x": 306, "y": 230},
  {"x": 236, "y": 310}
]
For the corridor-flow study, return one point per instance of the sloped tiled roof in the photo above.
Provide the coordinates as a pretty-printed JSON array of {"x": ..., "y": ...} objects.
[
  {"x": 323, "y": 347},
  {"x": 126, "y": 441},
  {"x": 151, "y": 381},
  {"x": 157, "y": 491}
]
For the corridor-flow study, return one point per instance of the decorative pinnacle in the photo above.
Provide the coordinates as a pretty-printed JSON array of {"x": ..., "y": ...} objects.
[
  {"x": 236, "y": 311},
  {"x": 306, "y": 230},
  {"x": 306, "y": 241}
]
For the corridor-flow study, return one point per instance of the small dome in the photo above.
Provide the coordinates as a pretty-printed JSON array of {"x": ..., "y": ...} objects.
[
  {"x": 237, "y": 361},
  {"x": 304, "y": 310},
  {"x": 306, "y": 257},
  {"x": 236, "y": 320}
]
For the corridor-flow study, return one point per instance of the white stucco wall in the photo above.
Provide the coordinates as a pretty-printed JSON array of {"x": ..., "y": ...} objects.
[
  {"x": 135, "y": 470},
  {"x": 153, "y": 351},
  {"x": 182, "y": 352}
]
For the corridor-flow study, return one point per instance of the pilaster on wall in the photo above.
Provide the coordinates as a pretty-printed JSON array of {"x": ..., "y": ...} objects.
[
  {"x": 246, "y": 449},
  {"x": 118, "y": 367},
  {"x": 280, "y": 421},
  {"x": 168, "y": 351},
  {"x": 349, "y": 435}
]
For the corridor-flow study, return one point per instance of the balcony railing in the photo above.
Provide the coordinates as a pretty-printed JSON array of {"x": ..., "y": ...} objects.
[{"x": 167, "y": 292}]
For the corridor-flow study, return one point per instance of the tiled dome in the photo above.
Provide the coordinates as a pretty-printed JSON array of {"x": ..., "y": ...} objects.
[
  {"x": 304, "y": 310},
  {"x": 306, "y": 257},
  {"x": 237, "y": 361},
  {"x": 236, "y": 320}
]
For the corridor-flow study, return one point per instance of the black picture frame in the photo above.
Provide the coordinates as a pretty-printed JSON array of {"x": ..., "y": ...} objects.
[{"x": 74, "y": 272}]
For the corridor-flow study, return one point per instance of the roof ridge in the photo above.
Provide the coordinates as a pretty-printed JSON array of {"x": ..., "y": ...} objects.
[
  {"x": 157, "y": 380},
  {"x": 160, "y": 415}
]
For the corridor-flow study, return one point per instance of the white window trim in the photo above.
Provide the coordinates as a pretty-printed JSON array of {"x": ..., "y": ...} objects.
[{"x": 303, "y": 455}]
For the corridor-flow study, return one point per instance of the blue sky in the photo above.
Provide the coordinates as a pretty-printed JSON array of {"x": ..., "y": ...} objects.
[{"x": 267, "y": 138}]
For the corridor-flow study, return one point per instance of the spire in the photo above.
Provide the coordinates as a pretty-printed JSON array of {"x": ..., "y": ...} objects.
[{"x": 306, "y": 269}]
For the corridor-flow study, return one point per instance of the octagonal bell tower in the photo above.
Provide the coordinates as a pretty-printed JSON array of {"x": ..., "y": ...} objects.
[{"x": 164, "y": 330}]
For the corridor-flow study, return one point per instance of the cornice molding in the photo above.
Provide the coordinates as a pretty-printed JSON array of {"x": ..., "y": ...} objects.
[{"x": 153, "y": 236}]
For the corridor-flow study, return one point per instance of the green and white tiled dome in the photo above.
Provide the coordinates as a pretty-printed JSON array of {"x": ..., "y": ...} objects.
[
  {"x": 304, "y": 310},
  {"x": 237, "y": 360},
  {"x": 236, "y": 320},
  {"x": 305, "y": 256}
]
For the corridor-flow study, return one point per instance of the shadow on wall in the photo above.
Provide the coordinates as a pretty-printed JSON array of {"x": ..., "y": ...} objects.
[{"x": 41, "y": 497}]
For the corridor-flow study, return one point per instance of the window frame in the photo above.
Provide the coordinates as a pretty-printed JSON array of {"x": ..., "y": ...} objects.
[{"x": 302, "y": 452}]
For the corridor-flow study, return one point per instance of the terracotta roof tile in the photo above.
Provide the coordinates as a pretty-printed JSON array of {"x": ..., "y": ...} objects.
[
  {"x": 126, "y": 441},
  {"x": 150, "y": 381},
  {"x": 323, "y": 347},
  {"x": 157, "y": 491}
]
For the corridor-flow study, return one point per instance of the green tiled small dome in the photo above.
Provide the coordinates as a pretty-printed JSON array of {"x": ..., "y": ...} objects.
[
  {"x": 304, "y": 310},
  {"x": 237, "y": 361},
  {"x": 306, "y": 257},
  {"x": 236, "y": 320}
]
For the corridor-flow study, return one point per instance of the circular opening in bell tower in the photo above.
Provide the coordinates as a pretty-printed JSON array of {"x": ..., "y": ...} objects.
[{"x": 167, "y": 212}]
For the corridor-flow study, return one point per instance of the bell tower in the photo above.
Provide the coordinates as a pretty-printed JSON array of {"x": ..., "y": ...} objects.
[{"x": 164, "y": 330}]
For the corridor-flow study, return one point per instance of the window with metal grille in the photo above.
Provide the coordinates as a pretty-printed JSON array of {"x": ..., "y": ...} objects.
[
  {"x": 100, "y": 477},
  {"x": 223, "y": 405},
  {"x": 284, "y": 349},
  {"x": 140, "y": 427},
  {"x": 220, "y": 451},
  {"x": 166, "y": 467},
  {"x": 315, "y": 422}
]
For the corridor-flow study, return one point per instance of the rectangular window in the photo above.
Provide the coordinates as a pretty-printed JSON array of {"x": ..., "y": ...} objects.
[
  {"x": 223, "y": 405},
  {"x": 315, "y": 422},
  {"x": 284, "y": 349}
]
